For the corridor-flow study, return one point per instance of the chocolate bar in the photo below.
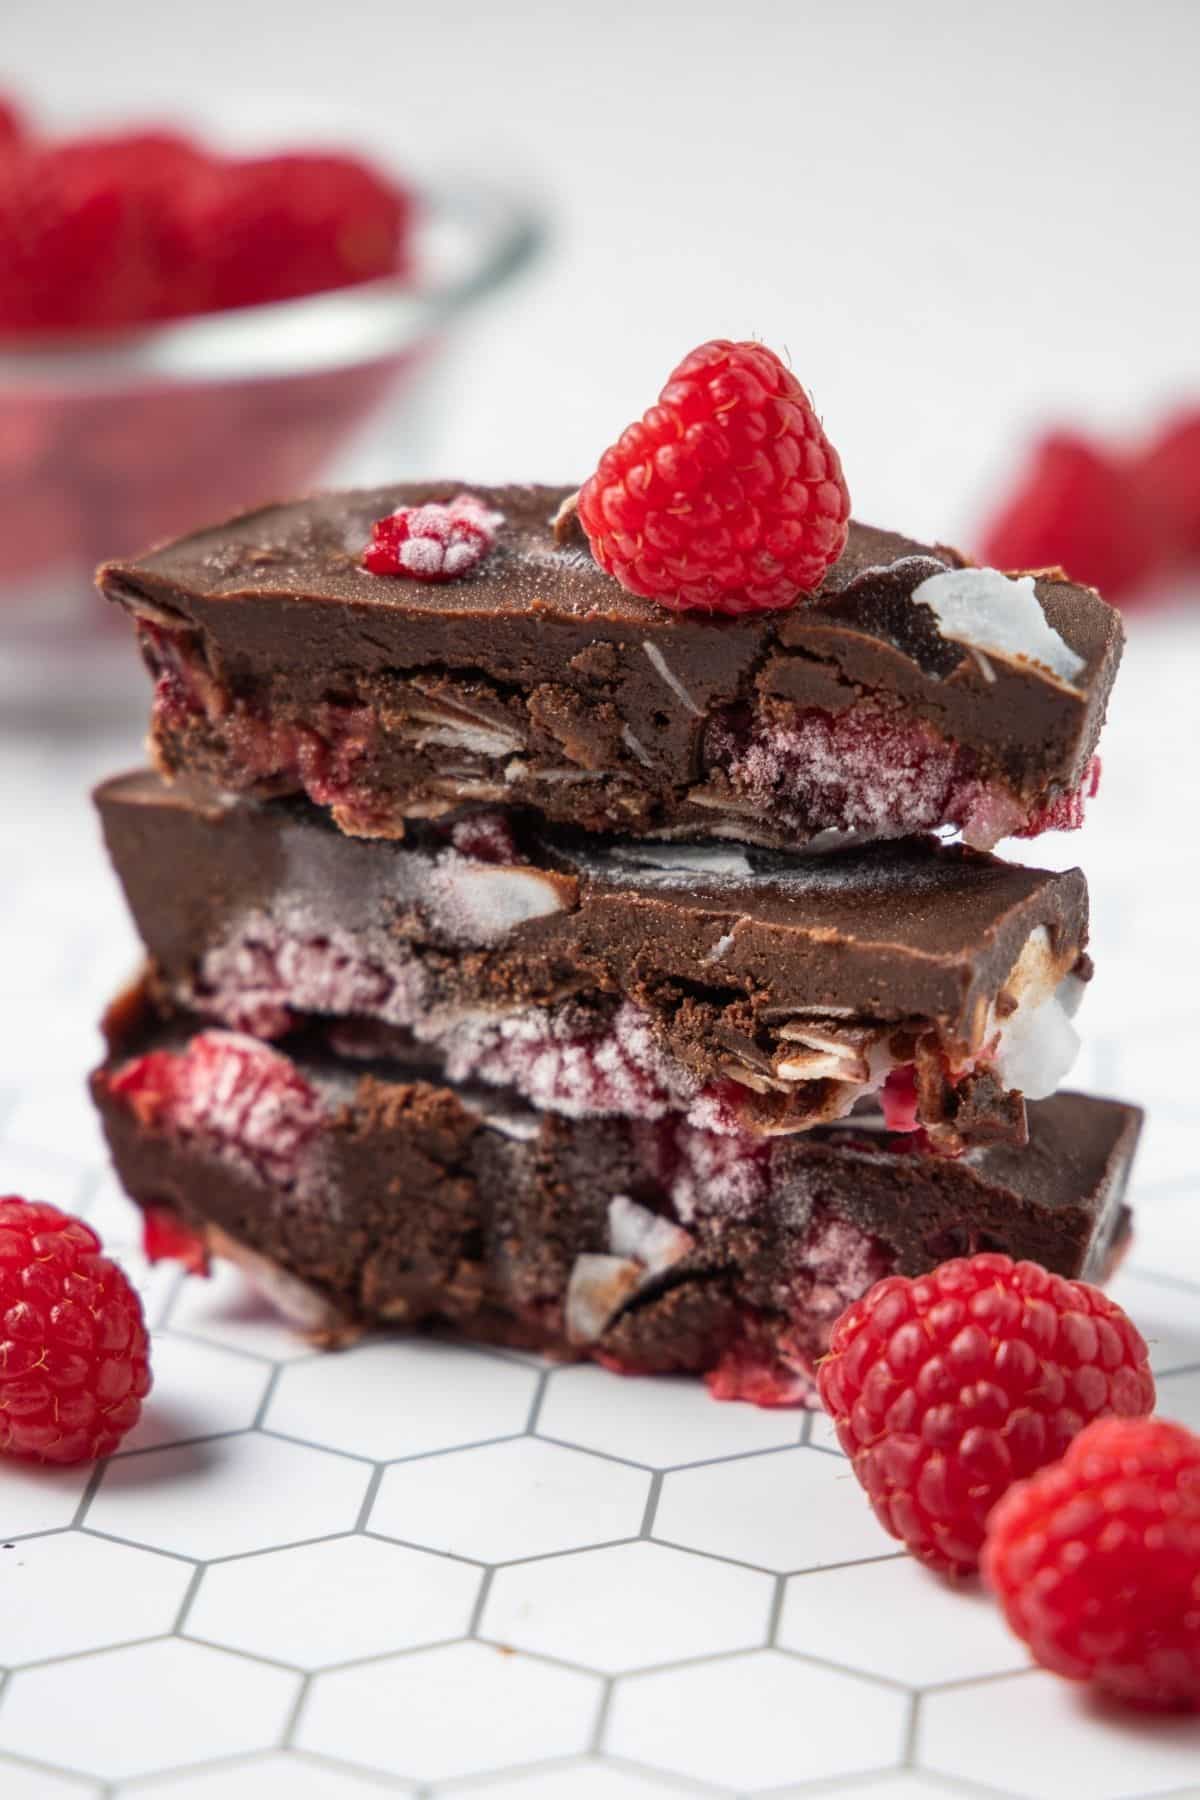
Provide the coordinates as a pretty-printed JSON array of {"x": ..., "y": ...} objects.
[
  {"x": 363, "y": 1194},
  {"x": 743, "y": 989},
  {"x": 909, "y": 694}
]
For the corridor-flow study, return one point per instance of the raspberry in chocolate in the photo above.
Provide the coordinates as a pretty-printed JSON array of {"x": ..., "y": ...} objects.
[
  {"x": 726, "y": 496},
  {"x": 435, "y": 542},
  {"x": 1096, "y": 1562},
  {"x": 947, "y": 1389},
  {"x": 74, "y": 1356}
]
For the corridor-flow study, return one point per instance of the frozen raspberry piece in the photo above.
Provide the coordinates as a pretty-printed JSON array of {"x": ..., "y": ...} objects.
[
  {"x": 947, "y": 1389},
  {"x": 439, "y": 541},
  {"x": 165, "y": 1238},
  {"x": 1078, "y": 507},
  {"x": 484, "y": 837},
  {"x": 1065, "y": 813},
  {"x": 898, "y": 1099},
  {"x": 1096, "y": 1562},
  {"x": 1168, "y": 471},
  {"x": 230, "y": 1094},
  {"x": 726, "y": 496},
  {"x": 74, "y": 1355}
]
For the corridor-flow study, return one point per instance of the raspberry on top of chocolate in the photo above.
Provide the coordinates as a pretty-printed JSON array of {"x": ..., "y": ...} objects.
[
  {"x": 438, "y": 541},
  {"x": 727, "y": 496}
]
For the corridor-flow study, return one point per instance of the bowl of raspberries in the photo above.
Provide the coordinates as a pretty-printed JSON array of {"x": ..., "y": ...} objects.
[{"x": 186, "y": 331}]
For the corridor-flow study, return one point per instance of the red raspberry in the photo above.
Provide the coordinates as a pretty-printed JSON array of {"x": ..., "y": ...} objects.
[
  {"x": 726, "y": 496},
  {"x": 165, "y": 1238},
  {"x": 1066, "y": 812},
  {"x": 1096, "y": 1562},
  {"x": 275, "y": 227},
  {"x": 1078, "y": 507},
  {"x": 948, "y": 1388},
  {"x": 439, "y": 541},
  {"x": 74, "y": 1356},
  {"x": 1169, "y": 472},
  {"x": 13, "y": 128}
]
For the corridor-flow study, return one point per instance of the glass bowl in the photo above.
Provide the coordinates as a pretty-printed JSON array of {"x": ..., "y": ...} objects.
[{"x": 111, "y": 444}]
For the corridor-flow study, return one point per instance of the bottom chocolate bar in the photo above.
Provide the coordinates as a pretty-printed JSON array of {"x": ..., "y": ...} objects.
[{"x": 359, "y": 1194}]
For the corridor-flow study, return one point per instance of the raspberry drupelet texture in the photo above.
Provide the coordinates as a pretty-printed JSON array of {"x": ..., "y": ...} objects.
[
  {"x": 726, "y": 496},
  {"x": 948, "y": 1388},
  {"x": 1096, "y": 1562},
  {"x": 439, "y": 541},
  {"x": 74, "y": 1356}
]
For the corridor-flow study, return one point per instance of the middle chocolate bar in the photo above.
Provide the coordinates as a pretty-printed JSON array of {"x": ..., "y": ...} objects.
[{"x": 742, "y": 989}]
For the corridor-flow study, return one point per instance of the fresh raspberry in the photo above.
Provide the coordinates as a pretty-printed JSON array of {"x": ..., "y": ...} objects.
[
  {"x": 276, "y": 227},
  {"x": 1078, "y": 507},
  {"x": 13, "y": 128},
  {"x": 74, "y": 1356},
  {"x": 726, "y": 496},
  {"x": 1168, "y": 471},
  {"x": 1096, "y": 1562},
  {"x": 228, "y": 1094},
  {"x": 948, "y": 1388},
  {"x": 439, "y": 541}
]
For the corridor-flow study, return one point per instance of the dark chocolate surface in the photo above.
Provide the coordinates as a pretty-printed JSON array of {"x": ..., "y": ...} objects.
[
  {"x": 719, "y": 945},
  {"x": 599, "y": 705},
  {"x": 419, "y": 1205}
]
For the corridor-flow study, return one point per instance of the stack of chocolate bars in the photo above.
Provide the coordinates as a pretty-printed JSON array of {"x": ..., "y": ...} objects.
[{"x": 586, "y": 975}]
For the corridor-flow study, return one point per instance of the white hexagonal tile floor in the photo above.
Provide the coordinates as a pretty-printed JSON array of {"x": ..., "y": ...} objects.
[
  {"x": 331, "y": 1602},
  {"x": 628, "y": 1606},
  {"x": 503, "y": 1501},
  {"x": 430, "y": 1570}
]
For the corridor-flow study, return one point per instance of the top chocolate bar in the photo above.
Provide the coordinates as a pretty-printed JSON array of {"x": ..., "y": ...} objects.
[{"x": 909, "y": 694}]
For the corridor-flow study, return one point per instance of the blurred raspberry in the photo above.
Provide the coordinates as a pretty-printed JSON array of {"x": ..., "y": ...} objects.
[
  {"x": 1096, "y": 1562},
  {"x": 1169, "y": 471},
  {"x": 274, "y": 228},
  {"x": 948, "y": 1388},
  {"x": 165, "y": 1238},
  {"x": 1077, "y": 506},
  {"x": 726, "y": 496},
  {"x": 13, "y": 125},
  {"x": 74, "y": 1357}
]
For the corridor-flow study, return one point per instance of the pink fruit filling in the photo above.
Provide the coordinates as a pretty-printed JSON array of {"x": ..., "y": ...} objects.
[
  {"x": 229, "y": 1096},
  {"x": 863, "y": 772}
]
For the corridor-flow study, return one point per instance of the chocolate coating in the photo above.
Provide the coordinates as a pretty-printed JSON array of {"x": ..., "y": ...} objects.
[{"x": 537, "y": 681}]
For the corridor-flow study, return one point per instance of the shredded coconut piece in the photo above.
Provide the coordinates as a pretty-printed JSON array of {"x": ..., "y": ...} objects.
[
  {"x": 661, "y": 667},
  {"x": 989, "y": 611},
  {"x": 636, "y": 745}
]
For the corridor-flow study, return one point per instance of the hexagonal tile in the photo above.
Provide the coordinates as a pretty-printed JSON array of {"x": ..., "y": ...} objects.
[
  {"x": 659, "y": 1420},
  {"x": 228, "y": 1495},
  {"x": 148, "y": 1707},
  {"x": 863, "y": 1617},
  {"x": 583, "y": 1781},
  {"x": 519, "y": 1498},
  {"x": 797, "y": 1510},
  {"x": 224, "y": 1308},
  {"x": 280, "y": 1776},
  {"x": 459, "y": 1710},
  {"x": 390, "y": 1399},
  {"x": 628, "y": 1607},
  {"x": 719, "y": 1721},
  {"x": 821, "y": 1434},
  {"x": 35, "y": 1499},
  {"x": 328, "y": 1603},
  {"x": 19, "y": 1782},
  {"x": 198, "y": 1391},
  {"x": 71, "y": 1592},
  {"x": 1039, "y": 1737}
]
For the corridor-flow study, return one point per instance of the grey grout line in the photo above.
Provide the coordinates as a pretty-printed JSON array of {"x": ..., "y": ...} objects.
[
  {"x": 369, "y": 1499},
  {"x": 189, "y": 1594},
  {"x": 776, "y": 1613},
  {"x": 479, "y": 1605},
  {"x": 603, "y": 1708},
  {"x": 650, "y": 1510}
]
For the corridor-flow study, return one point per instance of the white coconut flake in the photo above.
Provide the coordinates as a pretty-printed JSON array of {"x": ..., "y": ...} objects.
[
  {"x": 598, "y": 1288},
  {"x": 663, "y": 668},
  {"x": 685, "y": 859},
  {"x": 986, "y": 610},
  {"x": 636, "y": 745},
  {"x": 634, "y": 1231},
  {"x": 1037, "y": 1047},
  {"x": 482, "y": 902}
]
